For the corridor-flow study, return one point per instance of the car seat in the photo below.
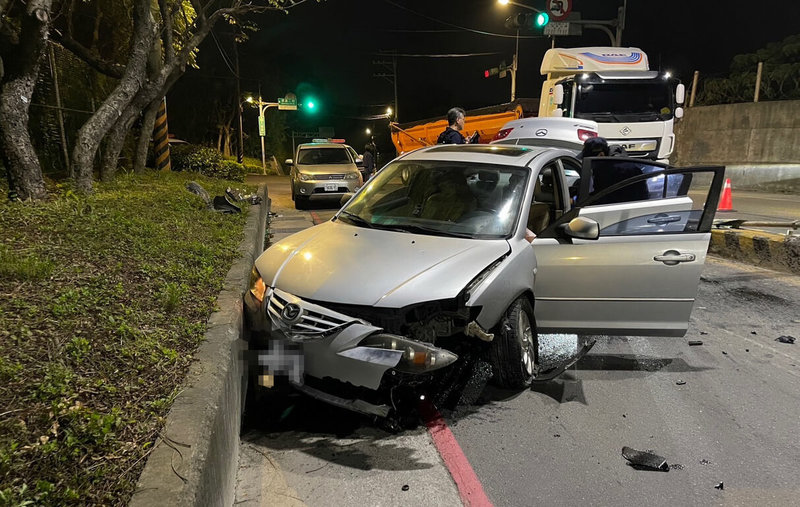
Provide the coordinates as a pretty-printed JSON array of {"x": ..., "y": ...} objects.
[
  {"x": 451, "y": 199},
  {"x": 543, "y": 203}
]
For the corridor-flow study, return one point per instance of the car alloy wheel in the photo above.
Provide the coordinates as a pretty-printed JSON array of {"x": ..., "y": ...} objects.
[{"x": 513, "y": 350}]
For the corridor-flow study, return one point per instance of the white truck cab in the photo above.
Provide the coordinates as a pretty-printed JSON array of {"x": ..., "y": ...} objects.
[{"x": 633, "y": 106}]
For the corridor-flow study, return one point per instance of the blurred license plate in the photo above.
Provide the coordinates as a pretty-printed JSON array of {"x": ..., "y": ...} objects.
[{"x": 331, "y": 187}]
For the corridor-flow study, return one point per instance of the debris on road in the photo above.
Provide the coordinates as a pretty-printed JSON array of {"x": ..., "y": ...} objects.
[
  {"x": 197, "y": 189},
  {"x": 703, "y": 332},
  {"x": 724, "y": 353},
  {"x": 680, "y": 382},
  {"x": 721, "y": 485},
  {"x": 221, "y": 203},
  {"x": 785, "y": 339},
  {"x": 405, "y": 487},
  {"x": 645, "y": 459},
  {"x": 753, "y": 332},
  {"x": 695, "y": 342}
]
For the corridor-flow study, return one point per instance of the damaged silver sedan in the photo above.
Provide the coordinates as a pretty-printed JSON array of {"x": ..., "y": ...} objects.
[{"x": 479, "y": 249}]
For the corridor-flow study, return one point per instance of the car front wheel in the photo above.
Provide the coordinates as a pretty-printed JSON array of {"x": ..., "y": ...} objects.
[{"x": 513, "y": 350}]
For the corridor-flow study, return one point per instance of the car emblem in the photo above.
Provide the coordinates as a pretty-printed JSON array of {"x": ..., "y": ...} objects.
[
  {"x": 625, "y": 131},
  {"x": 291, "y": 313},
  {"x": 541, "y": 132}
]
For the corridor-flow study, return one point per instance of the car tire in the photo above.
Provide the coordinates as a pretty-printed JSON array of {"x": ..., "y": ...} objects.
[
  {"x": 513, "y": 350},
  {"x": 294, "y": 196},
  {"x": 300, "y": 202}
]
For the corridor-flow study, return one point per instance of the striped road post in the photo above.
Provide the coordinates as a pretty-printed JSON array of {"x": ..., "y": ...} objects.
[{"x": 161, "y": 138}]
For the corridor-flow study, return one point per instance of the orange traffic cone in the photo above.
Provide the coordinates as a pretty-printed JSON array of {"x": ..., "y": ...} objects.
[{"x": 726, "y": 201}]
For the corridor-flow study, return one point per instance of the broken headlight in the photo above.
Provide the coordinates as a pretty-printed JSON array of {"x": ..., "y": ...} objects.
[
  {"x": 257, "y": 286},
  {"x": 418, "y": 357}
]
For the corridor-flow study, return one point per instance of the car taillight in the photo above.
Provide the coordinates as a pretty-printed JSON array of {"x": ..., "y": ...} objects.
[
  {"x": 586, "y": 134},
  {"x": 502, "y": 134}
]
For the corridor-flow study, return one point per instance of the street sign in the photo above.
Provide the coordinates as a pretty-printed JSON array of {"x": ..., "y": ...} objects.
[
  {"x": 557, "y": 28},
  {"x": 559, "y": 10},
  {"x": 287, "y": 103},
  {"x": 262, "y": 126}
]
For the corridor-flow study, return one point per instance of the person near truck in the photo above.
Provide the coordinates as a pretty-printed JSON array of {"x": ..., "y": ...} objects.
[
  {"x": 456, "y": 117},
  {"x": 368, "y": 159}
]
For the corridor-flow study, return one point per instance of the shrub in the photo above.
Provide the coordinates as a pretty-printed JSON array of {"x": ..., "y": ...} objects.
[
  {"x": 231, "y": 170},
  {"x": 206, "y": 161}
]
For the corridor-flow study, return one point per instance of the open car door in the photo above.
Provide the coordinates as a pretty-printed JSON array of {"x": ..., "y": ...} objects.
[{"x": 646, "y": 228}]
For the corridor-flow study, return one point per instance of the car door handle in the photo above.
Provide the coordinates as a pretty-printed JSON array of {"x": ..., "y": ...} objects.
[
  {"x": 673, "y": 257},
  {"x": 663, "y": 219}
]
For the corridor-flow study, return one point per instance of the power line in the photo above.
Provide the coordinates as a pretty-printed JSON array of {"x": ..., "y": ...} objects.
[
  {"x": 446, "y": 55},
  {"x": 225, "y": 57},
  {"x": 479, "y": 32}
]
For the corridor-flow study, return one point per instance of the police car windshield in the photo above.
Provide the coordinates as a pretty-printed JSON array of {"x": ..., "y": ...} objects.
[{"x": 318, "y": 156}]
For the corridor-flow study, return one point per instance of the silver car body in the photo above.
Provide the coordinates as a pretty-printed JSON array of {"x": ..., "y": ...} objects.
[
  {"x": 553, "y": 132},
  {"x": 639, "y": 277},
  {"x": 323, "y": 176}
]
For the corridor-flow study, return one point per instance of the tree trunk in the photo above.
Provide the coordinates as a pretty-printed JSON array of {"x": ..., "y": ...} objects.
[
  {"x": 95, "y": 129},
  {"x": 115, "y": 141},
  {"x": 145, "y": 135},
  {"x": 21, "y": 69}
]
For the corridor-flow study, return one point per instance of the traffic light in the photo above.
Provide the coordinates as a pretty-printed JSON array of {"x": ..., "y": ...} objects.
[
  {"x": 310, "y": 105},
  {"x": 527, "y": 21},
  {"x": 499, "y": 70}
]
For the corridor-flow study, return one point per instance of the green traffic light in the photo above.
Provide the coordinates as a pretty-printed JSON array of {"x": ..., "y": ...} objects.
[
  {"x": 542, "y": 19},
  {"x": 311, "y": 104}
]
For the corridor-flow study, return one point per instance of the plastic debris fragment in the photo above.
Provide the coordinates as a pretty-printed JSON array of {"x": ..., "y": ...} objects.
[
  {"x": 785, "y": 339},
  {"x": 644, "y": 459},
  {"x": 721, "y": 485},
  {"x": 695, "y": 342}
]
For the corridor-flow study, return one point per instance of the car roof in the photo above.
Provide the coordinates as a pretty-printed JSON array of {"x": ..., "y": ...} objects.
[
  {"x": 502, "y": 154},
  {"x": 322, "y": 145}
]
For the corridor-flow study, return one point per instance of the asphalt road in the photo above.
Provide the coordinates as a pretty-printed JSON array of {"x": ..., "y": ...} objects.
[{"x": 726, "y": 411}]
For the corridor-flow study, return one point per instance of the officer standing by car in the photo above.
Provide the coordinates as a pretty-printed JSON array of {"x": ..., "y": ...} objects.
[{"x": 368, "y": 159}]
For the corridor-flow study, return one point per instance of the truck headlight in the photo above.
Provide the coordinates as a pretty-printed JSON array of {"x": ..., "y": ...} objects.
[
  {"x": 418, "y": 357},
  {"x": 305, "y": 177},
  {"x": 257, "y": 286},
  {"x": 351, "y": 176}
]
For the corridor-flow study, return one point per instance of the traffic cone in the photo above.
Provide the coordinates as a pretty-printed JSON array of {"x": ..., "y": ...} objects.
[{"x": 726, "y": 201}]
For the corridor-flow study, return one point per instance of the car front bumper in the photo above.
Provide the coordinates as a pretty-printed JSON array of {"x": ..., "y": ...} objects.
[{"x": 325, "y": 188}]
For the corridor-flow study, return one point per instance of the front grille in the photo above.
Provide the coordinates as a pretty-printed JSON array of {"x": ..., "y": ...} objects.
[
  {"x": 313, "y": 320},
  {"x": 330, "y": 176}
]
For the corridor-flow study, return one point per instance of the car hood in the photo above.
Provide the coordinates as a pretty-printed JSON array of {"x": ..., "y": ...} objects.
[{"x": 341, "y": 263}]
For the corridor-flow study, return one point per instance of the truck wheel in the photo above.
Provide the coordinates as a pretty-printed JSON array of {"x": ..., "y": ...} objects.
[{"x": 513, "y": 350}]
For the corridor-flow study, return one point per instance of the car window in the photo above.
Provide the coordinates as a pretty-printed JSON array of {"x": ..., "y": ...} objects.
[
  {"x": 323, "y": 156},
  {"x": 442, "y": 198},
  {"x": 671, "y": 202}
]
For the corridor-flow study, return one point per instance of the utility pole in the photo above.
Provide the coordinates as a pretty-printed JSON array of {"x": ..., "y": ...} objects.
[
  {"x": 514, "y": 69},
  {"x": 389, "y": 74}
]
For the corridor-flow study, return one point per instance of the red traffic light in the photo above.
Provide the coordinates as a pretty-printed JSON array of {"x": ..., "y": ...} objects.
[{"x": 485, "y": 73}]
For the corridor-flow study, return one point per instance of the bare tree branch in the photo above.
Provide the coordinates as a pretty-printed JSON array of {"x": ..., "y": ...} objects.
[
  {"x": 91, "y": 57},
  {"x": 166, "y": 30}
]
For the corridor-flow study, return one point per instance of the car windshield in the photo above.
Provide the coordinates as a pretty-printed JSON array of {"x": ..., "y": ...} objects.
[
  {"x": 323, "y": 156},
  {"x": 441, "y": 198}
]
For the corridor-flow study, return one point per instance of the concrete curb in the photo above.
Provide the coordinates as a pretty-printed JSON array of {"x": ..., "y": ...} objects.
[
  {"x": 195, "y": 458},
  {"x": 774, "y": 251}
]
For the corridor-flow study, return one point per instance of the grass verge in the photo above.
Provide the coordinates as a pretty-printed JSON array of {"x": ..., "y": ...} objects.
[{"x": 103, "y": 301}]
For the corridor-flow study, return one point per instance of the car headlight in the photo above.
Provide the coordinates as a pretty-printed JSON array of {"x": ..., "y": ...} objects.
[
  {"x": 305, "y": 177},
  {"x": 418, "y": 357},
  {"x": 257, "y": 286},
  {"x": 351, "y": 176}
]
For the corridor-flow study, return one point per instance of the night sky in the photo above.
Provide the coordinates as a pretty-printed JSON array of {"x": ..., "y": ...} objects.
[{"x": 327, "y": 50}]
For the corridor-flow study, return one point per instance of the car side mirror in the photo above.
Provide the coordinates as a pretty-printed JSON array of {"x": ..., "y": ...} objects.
[
  {"x": 345, "y": 198},
  {"x": 288, "y": 161},
  {"x": 582, "y": 228}
]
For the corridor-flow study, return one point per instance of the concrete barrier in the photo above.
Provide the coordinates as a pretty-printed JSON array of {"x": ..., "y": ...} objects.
[
  {"x": 195, "y": 457},
  {"x": 774, "y": 251}
]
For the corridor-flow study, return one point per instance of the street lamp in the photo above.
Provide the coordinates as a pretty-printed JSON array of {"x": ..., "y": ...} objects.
[
  {"x": 368, "y": 131},
  {"x": 389, "y": 112},
  {"x": 262, "y": 107}
]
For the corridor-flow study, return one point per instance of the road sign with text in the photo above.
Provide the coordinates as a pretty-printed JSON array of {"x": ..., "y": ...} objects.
[{"x": 287, "y": 104}]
